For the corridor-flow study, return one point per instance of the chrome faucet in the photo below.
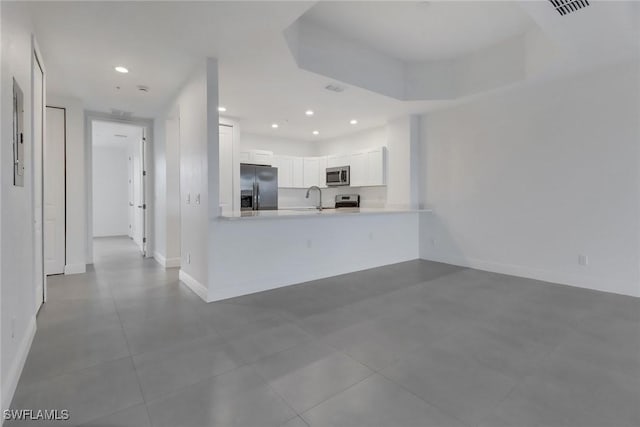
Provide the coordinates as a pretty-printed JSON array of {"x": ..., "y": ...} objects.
[{"x": 319, "y": 207}]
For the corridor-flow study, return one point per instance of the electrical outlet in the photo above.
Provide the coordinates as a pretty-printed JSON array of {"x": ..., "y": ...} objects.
[
  {"x": 583, "y": 260},
  {"x": 432, "y": 241},
  {"x": 198, "y": 199},
  {"x": 188, "y": 258}
]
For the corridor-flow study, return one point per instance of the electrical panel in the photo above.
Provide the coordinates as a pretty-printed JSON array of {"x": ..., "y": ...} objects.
[{"x": 18, "y": 135}]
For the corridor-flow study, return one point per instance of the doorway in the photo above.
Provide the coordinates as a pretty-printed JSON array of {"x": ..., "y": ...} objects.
[
  {"x": 119, "y": 182},
  {"x": 38, "y": 123},
  {"x": 55, "y": 191}
]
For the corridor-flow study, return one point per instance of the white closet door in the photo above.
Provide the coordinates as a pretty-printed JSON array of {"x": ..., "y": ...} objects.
[{"x": 54, "y": 192}]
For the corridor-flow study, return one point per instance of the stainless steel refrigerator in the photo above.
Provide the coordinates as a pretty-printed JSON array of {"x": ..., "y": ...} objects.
[{"x": 258, "y": 187}]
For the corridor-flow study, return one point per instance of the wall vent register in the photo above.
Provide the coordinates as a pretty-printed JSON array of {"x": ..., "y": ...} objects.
[{"x": 565, "y": 7}]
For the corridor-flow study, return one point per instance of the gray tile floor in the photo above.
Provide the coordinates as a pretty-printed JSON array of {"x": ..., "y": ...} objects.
[{"x": 414, "y": 344}]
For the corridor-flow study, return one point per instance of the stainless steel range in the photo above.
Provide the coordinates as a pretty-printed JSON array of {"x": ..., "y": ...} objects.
[{"x": 347, "y": 201}]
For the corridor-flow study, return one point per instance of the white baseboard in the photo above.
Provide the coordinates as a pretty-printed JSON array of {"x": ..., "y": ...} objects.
[
  {"x": 172, "y": 262},
  {"x": 75, "y": 268},
  {"x": 197, "y": 287},
  {"x": 160, "y": 259},
  {"x": 9, "y": 387},
  {"x": 267, "y": 283},
  {"x": 166, "y": 262},
  {"x": 593, "y": 283}
]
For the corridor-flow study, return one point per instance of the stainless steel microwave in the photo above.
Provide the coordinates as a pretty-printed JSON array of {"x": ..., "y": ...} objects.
[{"x": 338, "y": 176}]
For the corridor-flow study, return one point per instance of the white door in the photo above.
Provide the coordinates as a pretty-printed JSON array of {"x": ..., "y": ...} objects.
[
  {"x": 38, "y": 122},
  {"x": 138, "y": 196},
  {"x": 132, "y": 207},
  {"x": 54, "y": 192},
  {"x": 226, "y": 168}
]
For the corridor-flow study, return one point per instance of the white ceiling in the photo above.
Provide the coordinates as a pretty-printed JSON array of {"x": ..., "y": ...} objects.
[
  {"x": 423, "y": 31},
  {"x": 260, "y": 83},
  {"x": 111, "y": 134}
]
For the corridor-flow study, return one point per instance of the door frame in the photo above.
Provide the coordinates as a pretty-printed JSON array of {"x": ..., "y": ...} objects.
[
  {"x": 38, "y": 258},
  {"x": 147, "y": 125},
  {"x": 64, "y": 255}
]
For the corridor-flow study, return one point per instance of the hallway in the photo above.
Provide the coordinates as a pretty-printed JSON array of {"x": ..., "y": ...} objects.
[{"x": 417, "y": 343}]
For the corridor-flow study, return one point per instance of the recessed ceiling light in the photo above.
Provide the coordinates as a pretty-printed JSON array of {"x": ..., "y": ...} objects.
[
  {"x": 315, "y": 132},
  {"x": 222, "y": 109},
  {"x": 353, "y": 122},
  {"x": 309, "y": 112},
  {"x": 121, "y": 69},
  {"x": 274, "y": 125}
]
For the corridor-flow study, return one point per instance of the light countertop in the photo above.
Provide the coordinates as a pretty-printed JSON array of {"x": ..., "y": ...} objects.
[{"x": 313, "y": 213}]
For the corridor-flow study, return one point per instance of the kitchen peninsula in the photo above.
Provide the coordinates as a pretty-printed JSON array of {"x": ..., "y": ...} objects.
[{"x": 365, "y": 184}]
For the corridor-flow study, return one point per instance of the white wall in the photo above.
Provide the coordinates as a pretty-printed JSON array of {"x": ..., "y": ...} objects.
[
  {"x": 17, "y": 292},
  {"x": 172, "y": 150},
  {"x": 160, "y": 191},
  {"x": 524, "y": 181},
  {"x": 188, "y": 155},
  {"x": 281, "y": 146},
  {"x": 361, "y": 140},
  {"x": 262, "y": 254},
  {"x": 110, "y": 191},
  {"x": 403, "y": 144},
  {"x": 77, "y": 185}
]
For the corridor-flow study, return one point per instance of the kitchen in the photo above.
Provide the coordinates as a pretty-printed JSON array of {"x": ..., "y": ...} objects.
[
  {"x": 284, "y": 177},
  {"x": 265, "y": 219}
]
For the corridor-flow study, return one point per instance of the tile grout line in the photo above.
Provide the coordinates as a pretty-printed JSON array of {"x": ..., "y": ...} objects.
[{"x": 126, "y": 339}]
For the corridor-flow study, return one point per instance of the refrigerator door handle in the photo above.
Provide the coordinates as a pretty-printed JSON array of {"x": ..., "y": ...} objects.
[
  {"x": 255, "y": 198},
  {"x": 258, "y": 195}
]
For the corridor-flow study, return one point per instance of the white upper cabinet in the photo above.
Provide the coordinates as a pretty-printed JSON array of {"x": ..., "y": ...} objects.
[
  {"x": 257, "y": 157},
  {"x": 311, "y": 170},
  {"x": 245, "y": 157},
  {"x": 359, "y": 169},
  {"x": 322, "y": 171},
  {"x": 285, "y": 170},
  {"x": 367, "y": 167},
  {"x": 297, "y": 172},
  {"x": 335, "y": 161},
  {"x": 376, "y": 170}
]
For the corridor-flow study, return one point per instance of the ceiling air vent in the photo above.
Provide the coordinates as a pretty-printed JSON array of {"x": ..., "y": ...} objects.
[
  {"x": 565, "y": 7},
  {"x": 119, "y": 114}
]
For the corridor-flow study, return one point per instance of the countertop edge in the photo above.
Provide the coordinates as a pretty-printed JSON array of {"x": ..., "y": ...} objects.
[{"x": 273, "y": 215}]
